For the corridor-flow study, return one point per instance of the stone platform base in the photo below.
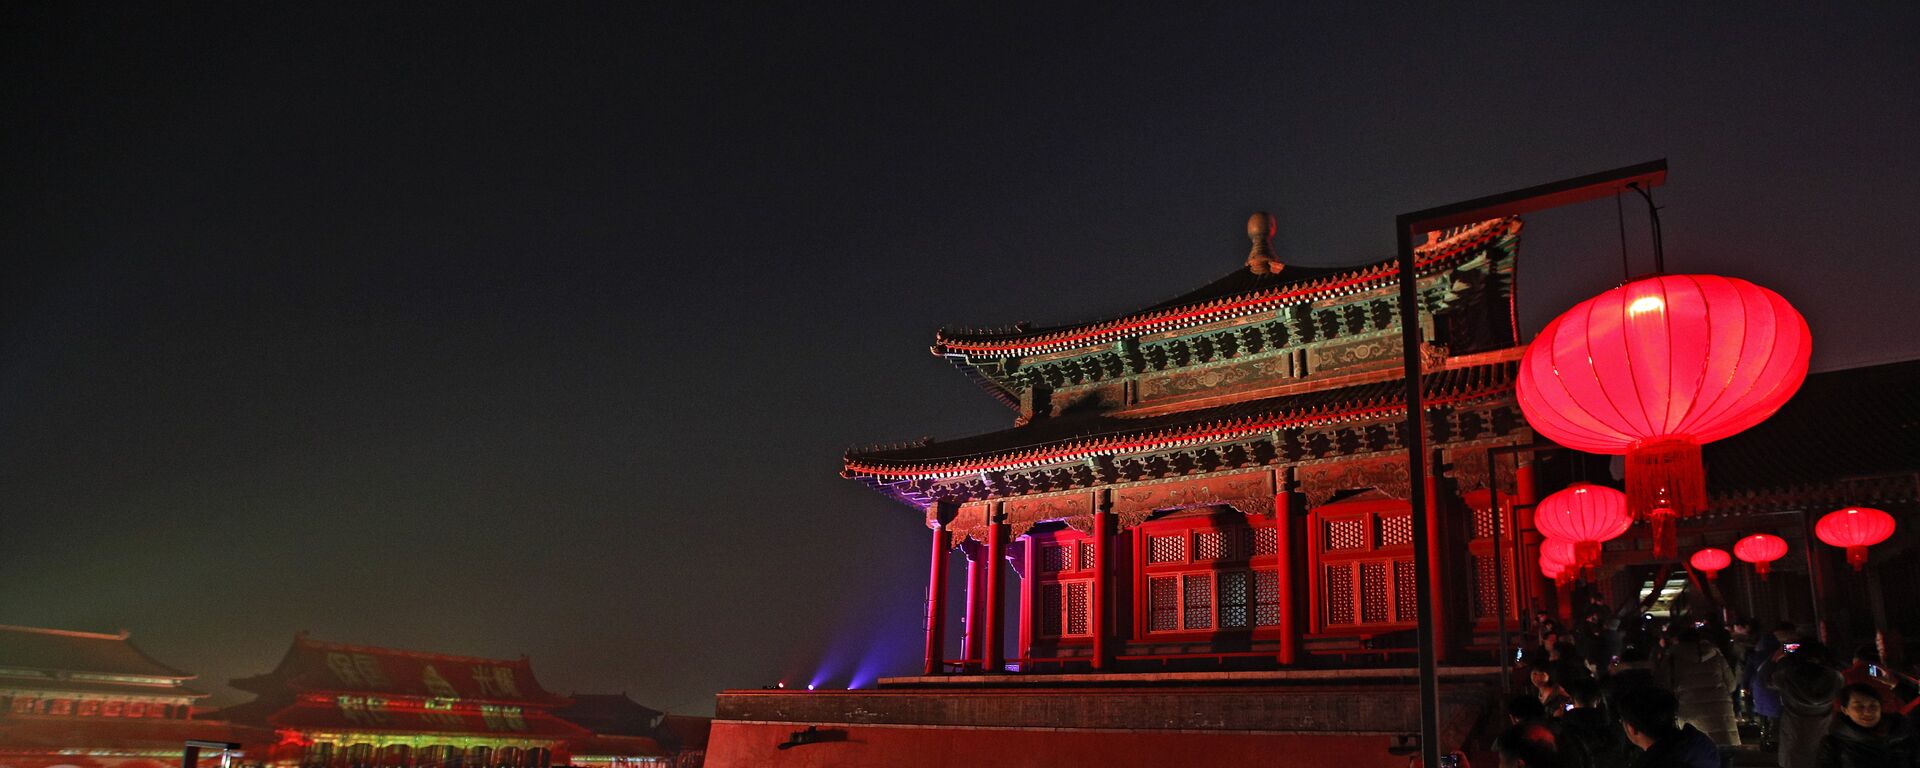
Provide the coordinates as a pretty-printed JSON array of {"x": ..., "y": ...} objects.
[{"x": 1228, "y": 720}]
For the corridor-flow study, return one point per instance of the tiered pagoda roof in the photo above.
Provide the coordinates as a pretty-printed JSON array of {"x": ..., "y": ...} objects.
[{"x": 1265, "y": 349}]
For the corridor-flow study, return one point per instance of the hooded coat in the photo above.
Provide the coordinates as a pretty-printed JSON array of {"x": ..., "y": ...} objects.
[
  {"x": 1806, "y": 691},
  {"x": 1703, "y": 682}
]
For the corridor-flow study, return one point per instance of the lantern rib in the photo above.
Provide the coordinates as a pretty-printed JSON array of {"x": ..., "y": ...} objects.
[
  {"x": 1747, "y": 338},
  {"x": 1626, "y": 352}
]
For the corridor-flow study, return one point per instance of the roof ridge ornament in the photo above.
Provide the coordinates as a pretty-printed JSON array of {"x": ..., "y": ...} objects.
[{"x": 1260, "y": 261}]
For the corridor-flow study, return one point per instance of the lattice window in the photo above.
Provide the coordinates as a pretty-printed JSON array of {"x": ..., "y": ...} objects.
[
  {"x": 1167, "y": 549},
  {"x": 1086, "y": 555},
  {"x": 1055, "y": 558},
  {"x": 1209, "y": 545},
  {"x": 1266, "y": 541},
  {"x": 1266, "y": 598},
  {"x": 1483, "y": 522},
  {"x": 1163, "y": 603},
  {"x": 1375, "y": 592},
  {"x": 1233, "y": 599},
  {"x": 1199, "y": 600},
  {"x": 1340, "y": 594},
  {"x": 1050, "y": 609},
  {"x": 1079, "y": 608},
  {"x": 1396, "y": 531},
  {"x": 1346, "y": 534},
  {"x": 1486, "y": 588},
  {"x": 1406, "y": 604}
]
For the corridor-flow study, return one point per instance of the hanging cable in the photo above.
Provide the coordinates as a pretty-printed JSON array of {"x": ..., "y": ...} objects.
[
  {"x": 1620, "y": 217},
  {"x": 1653, "y": 212}
]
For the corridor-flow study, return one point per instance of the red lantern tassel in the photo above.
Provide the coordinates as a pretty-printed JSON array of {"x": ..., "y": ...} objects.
[
  {"x": 1762, "y": 569},
  {"x": 1857, "y": 557},
  {"x": 1665, "y": 476}
]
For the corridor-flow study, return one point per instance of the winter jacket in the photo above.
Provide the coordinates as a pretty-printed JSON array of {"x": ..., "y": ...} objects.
[
  {"x": 1888, "y": 745},
  {"x": 1758, "y": 677},
  {"x": 1689, "y": 748},
  {"x": 1806, "y": 709},
  {"x": 1587, "y": 737},
  {"x": 1700, "y": 678}
]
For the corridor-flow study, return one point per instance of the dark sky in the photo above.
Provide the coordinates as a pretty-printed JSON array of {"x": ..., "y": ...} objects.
[{"x": 533, "y": 331}]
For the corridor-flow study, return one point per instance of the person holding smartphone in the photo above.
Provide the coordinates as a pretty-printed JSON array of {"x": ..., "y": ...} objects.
[{"x": 1866, "y": 671}]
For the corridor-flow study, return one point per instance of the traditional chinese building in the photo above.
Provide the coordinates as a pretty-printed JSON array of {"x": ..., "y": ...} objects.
[
  {"x": 350, "y": 706},
  {"x": 1222, "y": 475},
  {"x": 1213, "y": 491},
  {"x": 93, "y": 700}
]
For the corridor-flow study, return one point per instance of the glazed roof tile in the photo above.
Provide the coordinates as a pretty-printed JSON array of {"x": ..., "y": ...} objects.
[
  {"x": 314, "y": 665},
  {"x": 1852, "y": 423},
  {"x": 68, "y": 651},
  {"x": 1238, "y": 292},
  {"x": 1072, "y": 436}
]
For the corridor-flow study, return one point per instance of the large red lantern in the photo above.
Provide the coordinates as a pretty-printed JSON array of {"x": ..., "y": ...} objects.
[
  {"x": 1585, "y": 514},
  {"x": 1761, "y": 549},
  {"x": 1854, "y": 528},
  {"x": 1710, "y": 561},
  {"x": 1657, "y": 367}
]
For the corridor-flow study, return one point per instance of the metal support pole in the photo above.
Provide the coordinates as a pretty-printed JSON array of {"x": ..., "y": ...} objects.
[
  {"x": 1551, "y": 195},
  {"x": 1416, "y": 442}
]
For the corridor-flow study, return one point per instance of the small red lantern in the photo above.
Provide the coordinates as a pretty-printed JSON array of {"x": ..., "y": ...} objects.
[
  {"x": 1854, "y": 528},
  {"x": 1761, "y": 549},
  {"x": 1656, "y": 367},
  {"x": 1710, "y": 561},
  {"x": 1585, "y": 514},
  {"x": 1563, "y": 558},
  {"x": 1561, "y": 573}
]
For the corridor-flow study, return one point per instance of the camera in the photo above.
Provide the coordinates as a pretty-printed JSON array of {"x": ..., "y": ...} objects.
[{"x": 1450, "y": 760}]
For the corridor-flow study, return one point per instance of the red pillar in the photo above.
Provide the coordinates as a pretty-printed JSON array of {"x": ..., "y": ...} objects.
[
  {"x": 1526, "y": 571},
  {"x": 993, "y": 656},
  {"x": 976, "y": 599},
  {"x": 1283, "y": 523},
  {"x": 1437, "y": 568},
  {"x": 936, "y": 602},
  {"x": 1102, "y": 584}
]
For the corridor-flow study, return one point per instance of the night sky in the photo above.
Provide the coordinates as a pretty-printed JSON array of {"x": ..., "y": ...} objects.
[{"x": 534, "y": 331}]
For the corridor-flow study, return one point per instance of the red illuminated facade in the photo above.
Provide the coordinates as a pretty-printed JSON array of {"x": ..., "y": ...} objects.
[
  {"x": 333, "y": 705},
  {"x": 93, "y": 700},
  {"x": 1221, "y": 477},
  {"x": 1199, "y": 524}
]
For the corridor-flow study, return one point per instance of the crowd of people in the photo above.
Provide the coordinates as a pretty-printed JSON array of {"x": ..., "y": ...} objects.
[{"x": 1644, "y": 692}]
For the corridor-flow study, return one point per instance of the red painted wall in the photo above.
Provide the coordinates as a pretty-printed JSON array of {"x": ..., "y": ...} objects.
[{"x": 742, "y": 745}]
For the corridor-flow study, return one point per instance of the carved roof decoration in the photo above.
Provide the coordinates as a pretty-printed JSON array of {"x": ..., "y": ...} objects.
[
  {"x": 1240, "y": 292},
  {"x": 1084, "y": 436}
]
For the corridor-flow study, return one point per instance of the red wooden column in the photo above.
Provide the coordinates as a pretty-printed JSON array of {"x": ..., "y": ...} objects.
[
  {"x": 1526, "y": 572},
  {"x": 1283, "y": 523},
  {"x": 993, "y": 656},
  {"x": 976, "y": 600},
  {"x": 936, "y": 602},
  {"x": 1437, "y": 568},
  {"x": 1102, "y": 582}
]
